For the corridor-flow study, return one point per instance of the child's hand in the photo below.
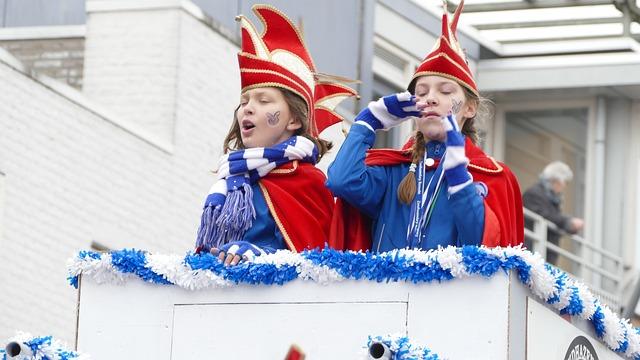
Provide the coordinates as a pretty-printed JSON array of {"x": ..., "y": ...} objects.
[
  {"x": 454, "y": 136},
  {"x": 235, "y": 251},
  {"x": 389, "y": 111},
  {"x": 455, "y": 159}
]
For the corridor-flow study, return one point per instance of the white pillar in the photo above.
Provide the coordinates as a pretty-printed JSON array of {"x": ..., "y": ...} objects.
[{"x": 131, "y": 60}]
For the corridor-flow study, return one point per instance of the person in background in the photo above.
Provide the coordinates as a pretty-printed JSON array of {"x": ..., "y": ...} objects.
[{"x": 545, "y": 199}]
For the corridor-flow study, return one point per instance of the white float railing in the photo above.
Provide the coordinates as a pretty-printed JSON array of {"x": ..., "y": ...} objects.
[{"x": 603, "y": 270}]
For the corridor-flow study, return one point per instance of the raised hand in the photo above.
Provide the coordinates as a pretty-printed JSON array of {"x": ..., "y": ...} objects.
[
  {"x": 389, "y": 111},
  {"x": 455, "y": 159}
]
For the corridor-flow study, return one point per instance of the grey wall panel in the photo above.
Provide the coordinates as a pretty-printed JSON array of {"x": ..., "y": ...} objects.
[
  {"x": 433, "y": 24},
  {"x": 3, "y": 5},
  {"x": 43, "y": 12},
  {"x": 223, "y": 11}
]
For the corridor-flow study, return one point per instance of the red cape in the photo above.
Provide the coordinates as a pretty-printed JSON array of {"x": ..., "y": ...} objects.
[
  {"x": 504, "y": 222},
  {"x": 300, "y": 204}
]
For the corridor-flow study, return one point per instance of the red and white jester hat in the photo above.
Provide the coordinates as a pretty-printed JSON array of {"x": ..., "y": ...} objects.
[
  {"x": 447, "y": 59},
  {"x": 278, "y": 57}
]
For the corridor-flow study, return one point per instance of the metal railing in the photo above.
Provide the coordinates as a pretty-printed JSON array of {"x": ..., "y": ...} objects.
[{"x": 603, "y": 271}]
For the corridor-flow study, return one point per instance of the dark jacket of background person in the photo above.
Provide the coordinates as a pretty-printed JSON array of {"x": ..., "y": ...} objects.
[{"x": 540, "y": 199}]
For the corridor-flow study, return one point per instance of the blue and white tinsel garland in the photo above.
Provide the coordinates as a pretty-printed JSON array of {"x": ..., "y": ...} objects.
[
  {"x": 200, "y": 271},
  {"x": 42, "y": 348},
  {"x": 403, "y": 348}
]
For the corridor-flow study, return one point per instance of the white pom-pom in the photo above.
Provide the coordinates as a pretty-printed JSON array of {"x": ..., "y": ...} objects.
[
  {"x": 541, "y": 281},
  {"x": 173, "y": 269},
  {"x": 100, "y": 270},
  {"x": 450, "y": 258},
  {"x": 588, "y": 301},
  {"x": 613, "y": 329},
  {"x": 633, "y": 350}
]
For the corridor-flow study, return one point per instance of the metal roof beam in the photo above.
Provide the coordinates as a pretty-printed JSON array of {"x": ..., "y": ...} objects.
[
  {"x": 534, "y": 24},
  {"x": 571, "y": 47},
  {"x": 561, "y": 38},
  {"x": 523, "y": 5}
]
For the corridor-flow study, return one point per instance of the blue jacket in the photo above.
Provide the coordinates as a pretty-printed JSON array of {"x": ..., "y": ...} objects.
[
  {"x": 457, "y": 219},
  {"x": 263, "y": 233}
]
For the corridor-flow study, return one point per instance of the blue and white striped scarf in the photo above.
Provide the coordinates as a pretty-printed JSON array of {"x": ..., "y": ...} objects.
[{"x": 228, "y": 210}]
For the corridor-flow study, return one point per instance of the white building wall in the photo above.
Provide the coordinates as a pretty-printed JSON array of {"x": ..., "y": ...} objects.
[
  {"x": 1, "y": 205},
  {"x": 617, "y": 145},
  {"x": 76, "y": 174},
  {"x": 132, "y": 63},
  {"x": 632, "y": 226}
]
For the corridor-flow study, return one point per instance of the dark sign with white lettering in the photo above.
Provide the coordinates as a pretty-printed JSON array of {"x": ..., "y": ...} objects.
[{"x": 581, "y": 349}]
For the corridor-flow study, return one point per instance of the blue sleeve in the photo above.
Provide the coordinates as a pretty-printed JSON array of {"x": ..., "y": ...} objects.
[
  {"x": 350, "y": 179},
  {"x": 468, "y": 214}
]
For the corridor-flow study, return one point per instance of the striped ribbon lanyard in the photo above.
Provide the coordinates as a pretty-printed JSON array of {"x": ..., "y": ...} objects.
[{"x": 424, "y": 203}]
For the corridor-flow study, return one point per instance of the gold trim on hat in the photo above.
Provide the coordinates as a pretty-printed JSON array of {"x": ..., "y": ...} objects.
[
  {"x": 270, "y": 60},
  {"x": 328, "y": 97},
  {"x": 448, "y": 58},
  {"x": 455, "y": 46},
  {"x": 272, "y": 72},
  {"x": 310, "y": 71},
  {"x": 331, "y": 111},
  {"x": 323, "y": 78},
  {"x": 253, "y": 34},
  {"x": 450, "y": 77}
]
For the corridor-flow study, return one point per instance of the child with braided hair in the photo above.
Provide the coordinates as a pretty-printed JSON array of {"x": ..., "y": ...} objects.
[{"x": 440, "y": 189}]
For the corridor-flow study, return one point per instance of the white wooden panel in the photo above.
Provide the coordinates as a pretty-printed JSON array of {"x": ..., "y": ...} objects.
[
  {"x": 265, "y": 331},
  {"x": 463, "y": 319},
  {"x": 473, "y": 318},
  {"x": 136, "y": 318},
  {"x": 132, "y": 321},
  {"x": 550, "y": 338}
]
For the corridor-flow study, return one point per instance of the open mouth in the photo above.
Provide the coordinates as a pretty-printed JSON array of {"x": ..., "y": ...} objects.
[{"x": 247, "y": 125}]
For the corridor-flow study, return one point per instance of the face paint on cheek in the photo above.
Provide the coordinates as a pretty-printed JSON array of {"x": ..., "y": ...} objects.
[
  {"x": 457, "y": 105},
  {"x": 273, "y": 119}
]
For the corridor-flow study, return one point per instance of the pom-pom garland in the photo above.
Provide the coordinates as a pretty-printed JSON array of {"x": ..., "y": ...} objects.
[{"x": 200, "y": 271}]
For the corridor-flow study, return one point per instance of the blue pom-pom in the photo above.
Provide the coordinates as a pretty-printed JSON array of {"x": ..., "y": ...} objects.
[
  {"x": 598, "y": 321},
  {"x": 624, "y": 344},
  {"x": 132, "y": 261},
  {"x": 479, "y": 261},
  {"x": 575, "y": 305}
]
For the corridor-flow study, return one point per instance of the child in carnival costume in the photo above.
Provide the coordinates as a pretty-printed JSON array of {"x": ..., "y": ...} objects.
[
  {"x": 269, "y": 195},
  {"x": 440, "y": 189}
]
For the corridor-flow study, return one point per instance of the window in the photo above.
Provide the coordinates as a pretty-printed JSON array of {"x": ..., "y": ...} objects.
[
  {"x": 532, "y": 134},
  {"x": 535, "y": 138}
]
